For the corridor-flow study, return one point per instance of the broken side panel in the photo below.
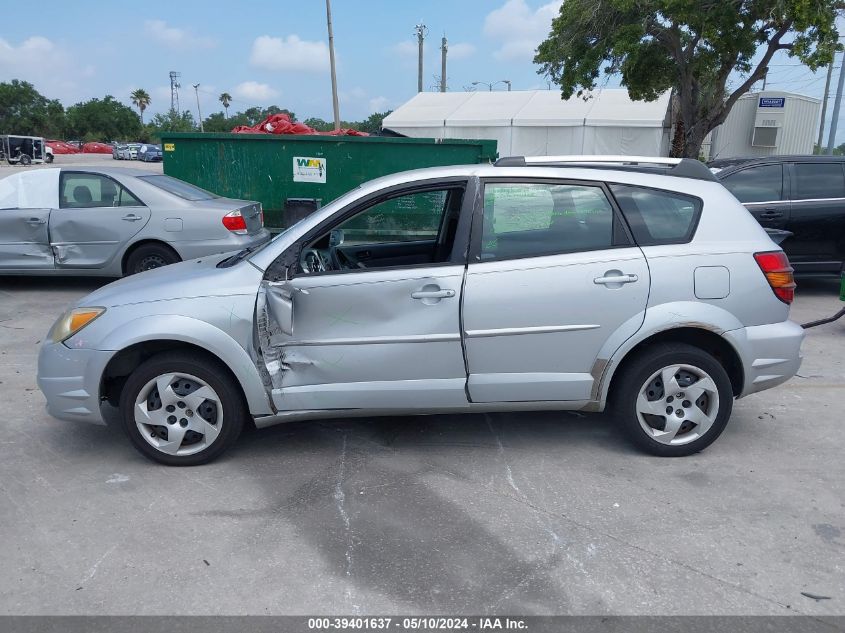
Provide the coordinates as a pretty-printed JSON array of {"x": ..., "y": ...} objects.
[{"x": 370, "y": 339}]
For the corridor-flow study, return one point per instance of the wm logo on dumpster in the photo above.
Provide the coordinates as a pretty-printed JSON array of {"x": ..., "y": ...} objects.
[{"x": 309, "y": 169}]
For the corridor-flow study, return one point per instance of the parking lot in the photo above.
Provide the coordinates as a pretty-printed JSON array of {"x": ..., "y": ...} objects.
[{"x": 522, "y": 513}]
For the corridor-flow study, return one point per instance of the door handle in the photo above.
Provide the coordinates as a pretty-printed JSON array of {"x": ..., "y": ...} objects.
[
  {"x": 771, "y": 214},
  {"x": 36, "y": 221},
  {"x": 131, "y": 217},
  {"x": 615, "y": 279},
  {"x": 433, "y": 294}
]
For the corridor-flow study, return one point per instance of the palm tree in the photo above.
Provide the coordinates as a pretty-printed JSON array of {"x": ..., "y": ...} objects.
[
  {"x": 141, "y": 99},
  {"x": 225, "y": 99}
]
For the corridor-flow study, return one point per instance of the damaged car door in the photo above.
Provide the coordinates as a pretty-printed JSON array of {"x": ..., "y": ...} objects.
[
  {"x": 25, "y": 203},
  {"x": 96, "y": 217},
  {"x": 368, "y": 315}
]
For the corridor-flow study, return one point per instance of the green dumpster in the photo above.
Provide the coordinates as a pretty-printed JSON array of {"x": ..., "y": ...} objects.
[{"x": 294, "y": 175}]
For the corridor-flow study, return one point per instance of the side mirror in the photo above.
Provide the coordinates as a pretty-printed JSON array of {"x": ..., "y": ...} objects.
[{"x": 336, "y": 238}]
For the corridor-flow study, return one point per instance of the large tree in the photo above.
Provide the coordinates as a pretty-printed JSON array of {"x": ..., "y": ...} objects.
[
  {"x": 24, "y": 110},
  {"x": 141, "y": 99},
  {"x": 105, "y": 119},
  {"x": 710, "y": 52}
]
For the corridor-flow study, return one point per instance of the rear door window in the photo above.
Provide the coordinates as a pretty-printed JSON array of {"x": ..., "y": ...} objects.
[
  {"x": 763, "y": 183},
  {"x": 656, "y": 216},
  {"x": 91, "y": 191},
  {"x": 818, "y": 180},
  {"x": 532, "y": 219}
]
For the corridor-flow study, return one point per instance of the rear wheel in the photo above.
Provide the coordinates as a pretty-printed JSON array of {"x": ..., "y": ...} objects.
[
  {"x": 25, "y": 160},
  {"x": 673, "y": 399},
  {"x": 149, "y": 256},
  {"x": 181, "y": 409}
]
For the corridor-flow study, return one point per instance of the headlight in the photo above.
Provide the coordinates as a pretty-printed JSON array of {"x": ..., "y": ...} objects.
[{"x": 72, "y": 321}]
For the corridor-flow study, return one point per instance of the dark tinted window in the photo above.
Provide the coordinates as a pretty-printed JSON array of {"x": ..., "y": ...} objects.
[
  {"x": 531, "y": 219},
  {"x": 756, "y": 184},
  {"x": 818, "y": 180},
  {"x": 658, "y": 217}
]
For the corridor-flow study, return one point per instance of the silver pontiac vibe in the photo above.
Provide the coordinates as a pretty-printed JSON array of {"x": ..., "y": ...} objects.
[{"x": 639, "y": 285}]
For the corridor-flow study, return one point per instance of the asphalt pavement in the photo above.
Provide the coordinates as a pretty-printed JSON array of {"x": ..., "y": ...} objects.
[{"x": 527, "y": 513}]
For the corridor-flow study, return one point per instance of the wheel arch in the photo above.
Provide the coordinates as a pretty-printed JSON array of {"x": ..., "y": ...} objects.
[
  {"x": 705, "y": 339},
  {"x": 124, "y": 259},
  {"x": 142, "y": 338}
]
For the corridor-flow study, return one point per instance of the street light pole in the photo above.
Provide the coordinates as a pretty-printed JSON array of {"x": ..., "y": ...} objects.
[
  {"x": 335, "y": 104},
  {"x": 199, "y": 114}
]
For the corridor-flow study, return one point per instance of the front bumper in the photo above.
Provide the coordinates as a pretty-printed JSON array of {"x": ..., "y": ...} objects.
[
  {"x": 770, "y": 354},
  {"x": 70, "y": 381}
]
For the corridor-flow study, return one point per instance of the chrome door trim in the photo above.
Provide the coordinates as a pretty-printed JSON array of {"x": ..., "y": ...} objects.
[{"x": 540, "y": 329}]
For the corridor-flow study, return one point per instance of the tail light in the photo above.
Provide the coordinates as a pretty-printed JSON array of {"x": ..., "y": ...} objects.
[
  {"x": 778, "y": 272},
  {"x": 261, "y": 211},
  {"x": 235, "y": 222}
]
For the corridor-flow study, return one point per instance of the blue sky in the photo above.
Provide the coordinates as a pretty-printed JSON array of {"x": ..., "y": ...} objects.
[{"x": 274, "y": 51}]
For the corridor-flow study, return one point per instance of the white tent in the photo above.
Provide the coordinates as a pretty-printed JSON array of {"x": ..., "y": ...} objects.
[{"x": 539, "y": 122}]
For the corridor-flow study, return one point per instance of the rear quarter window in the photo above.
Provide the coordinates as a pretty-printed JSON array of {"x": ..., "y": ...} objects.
[{"x": 656, "y": 216}]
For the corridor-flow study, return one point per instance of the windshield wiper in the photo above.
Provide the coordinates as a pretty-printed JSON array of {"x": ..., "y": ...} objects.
[{"x": 234, "y": 259}]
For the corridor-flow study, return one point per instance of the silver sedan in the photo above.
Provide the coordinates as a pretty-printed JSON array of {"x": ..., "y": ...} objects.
[{"x": 112, "y": 222}]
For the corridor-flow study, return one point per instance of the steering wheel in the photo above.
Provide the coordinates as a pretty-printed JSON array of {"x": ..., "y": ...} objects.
[{"x": 312, "y": 261}]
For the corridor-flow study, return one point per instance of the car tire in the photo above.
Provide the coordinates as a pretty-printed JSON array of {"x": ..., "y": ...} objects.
[
  {"x": 672, "y": 399},
  {"x": 49, "y": 158},
  {"x": 199, "y": 414},
  {"x": 25, "y": 160},
  {"x": 148, "y": 257}
]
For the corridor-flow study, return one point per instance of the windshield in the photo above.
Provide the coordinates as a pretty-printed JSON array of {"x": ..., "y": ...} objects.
[{"x": 179, "y": 188}]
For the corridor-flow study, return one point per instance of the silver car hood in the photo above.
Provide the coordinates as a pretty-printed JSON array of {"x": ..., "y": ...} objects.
[{"x": 185, "y": 280}]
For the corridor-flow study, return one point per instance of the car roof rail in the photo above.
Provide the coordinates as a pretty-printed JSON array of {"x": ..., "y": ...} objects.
[{"x": 679, "y": 167}]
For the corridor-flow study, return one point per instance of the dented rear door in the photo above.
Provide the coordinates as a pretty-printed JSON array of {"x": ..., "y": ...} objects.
[
  {"x": 377, "y": 339},
  {"x": 96, "y": 218}
]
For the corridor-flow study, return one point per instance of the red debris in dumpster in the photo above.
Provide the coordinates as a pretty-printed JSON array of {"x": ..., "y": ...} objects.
[{"x": 281, "y": 124}]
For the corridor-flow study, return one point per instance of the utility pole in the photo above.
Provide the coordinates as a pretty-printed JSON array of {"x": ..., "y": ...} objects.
[
  {"x": 335, "y": 105},
  {"x": 824, "y": 102},
  {"x": 174, "y": 90},
  {"x": 443, "y": 49},
  {"x": 421, "y": 31},
  {"x": 764, "y": 78},
  {"x": 834, "y": 119},
  {"x": 199, "y": 114}
]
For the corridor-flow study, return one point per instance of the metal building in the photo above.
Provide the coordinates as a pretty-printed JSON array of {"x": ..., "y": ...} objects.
[{"x": 765, "y": 124}]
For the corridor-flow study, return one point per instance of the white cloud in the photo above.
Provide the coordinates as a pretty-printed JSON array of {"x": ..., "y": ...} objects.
[
  {"x": 254, "y": 92},
  {"x": 460, "y": 50},
  {"x": 289, "y": 53},
  {"x": 379, "y": 104},
  {"x": 174, "y": 37},
  {"x": 519, "y": 29},
  {"x": 405, "y": 48},
  {"x": 48, "y": 66}
]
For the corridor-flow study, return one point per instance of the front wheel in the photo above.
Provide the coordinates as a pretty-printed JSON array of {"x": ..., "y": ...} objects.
[
  {"x": 672, "y": 399},
  {"x": 181, "y": 409}
]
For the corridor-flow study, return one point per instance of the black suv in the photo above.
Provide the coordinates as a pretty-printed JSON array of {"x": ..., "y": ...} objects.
[{"x": 804, "y": 195}]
